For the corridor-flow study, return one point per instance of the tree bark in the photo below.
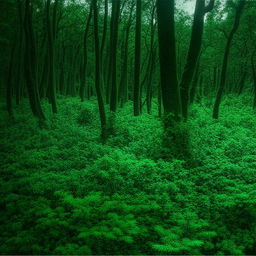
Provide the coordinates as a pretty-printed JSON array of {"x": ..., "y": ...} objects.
[
  {"x": 51, "y": 48},
  {"x": 9, "y": 84},
  {"x": 194, "y": 83},
  {"x": 137, "y": 64},
  {"x": 167, "y": 54},
  {"x": 30, "y": 63},
  {"x": 239, "y": 10},
  {"x": 113, "y": 40},
  {"x": 97, "y": 71},
  {"x": 104, "y": 33},
  {"x": 20, "y": 63},
  {"x": 85, "y": 56},
  {"x": 193, "y": 52},
  {"x": 152, "y": 61},
  {"x": 123, "y": 87}
]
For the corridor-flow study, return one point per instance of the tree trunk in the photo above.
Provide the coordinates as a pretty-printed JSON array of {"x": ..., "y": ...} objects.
[
  {"x": 62, "y": 81},
  {"x": 30, "y": 63},
  {"x": 239, "y": 10},
  {"x": 51, "y": 48},
  {"x": 113, "y": 40},
  {"x": 167, "y": 54},
  {"x": 193, "y": 52},
  {"x": 20, "y": 65},
  {"x": 85, "y": 56},
  {"x": 136, "y": 97},
  {"x": 97, "y": 71},
  {"x": 194, "y": 83},
  {"x": 44, "y": 81},
  {"x": 104, "y": 33},
  {"x": 149, "y": 82},
  {"x": 124, "y": 71},
  {"x": 151, "y": 61},
  {"x": 9, "y": 84}
]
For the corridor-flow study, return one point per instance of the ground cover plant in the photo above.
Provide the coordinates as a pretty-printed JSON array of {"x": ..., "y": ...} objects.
[{"x": 64, "y": 192}]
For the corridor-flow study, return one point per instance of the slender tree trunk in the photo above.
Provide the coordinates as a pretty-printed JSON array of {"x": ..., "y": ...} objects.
[
  {"x": 102, "y": 46},
  {"x": 97, "y": 71},
  {"x": 239, "y": 10},
  {"x": 75, "y": 71},
  {"x": 62, "y": 71},
  {"x": 149, "y": 82},
  {"x": 136, "y": 97},
  {"x": 30, "y": 63},
  {"x": 44, "y": 81},
  {"x": 193, "y": 52},
  {"x": 10, "y": 88},
  {"x": 124, "y": 72},
  {"x": 20, "y": 64},
  {"x": 104, "y": 33},
  {"x": 194, "y": 83},
  {"x": 51, "y": 46},
  {"x": 108, "y": 75},
  {"x": 113, "y": 39},
  {"x": 85, "y": 57},
  {"x": 152, "y": 61},
  {"x": 123, "y": 86}
]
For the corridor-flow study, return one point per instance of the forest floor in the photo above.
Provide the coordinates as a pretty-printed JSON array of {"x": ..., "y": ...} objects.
[{"x": 64, "y": 192}]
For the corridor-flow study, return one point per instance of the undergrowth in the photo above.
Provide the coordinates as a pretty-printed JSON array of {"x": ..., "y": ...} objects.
[{"x": 64, "y": 192}]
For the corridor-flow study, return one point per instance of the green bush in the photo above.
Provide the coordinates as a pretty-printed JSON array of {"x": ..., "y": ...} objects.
[
  {"x": 64, "y": 192},
  {"x": 85, "y": 117}
]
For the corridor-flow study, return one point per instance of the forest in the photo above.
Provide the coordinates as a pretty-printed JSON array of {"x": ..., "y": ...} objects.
[{"x": 128, "y": 127}]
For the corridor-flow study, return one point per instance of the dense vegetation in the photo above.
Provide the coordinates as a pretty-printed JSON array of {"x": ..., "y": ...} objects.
[
  {"x": 63, "y": 192},
  {"x": 128, "y": 127}
]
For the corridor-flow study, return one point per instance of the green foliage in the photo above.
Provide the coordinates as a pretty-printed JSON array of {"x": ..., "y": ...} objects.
[
  {"x": 188, "y": 235},
  {"x": 85, "y": 116},
  {"x": 176, "y": 142},
  {"x": 64, "y": 192}
]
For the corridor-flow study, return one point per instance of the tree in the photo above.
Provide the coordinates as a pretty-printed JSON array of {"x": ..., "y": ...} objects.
[
  {"x": 85, "y": 57},
  {"x": 30, "y": 63},
  {"x": 238, "y": 12},
  {"x": 152, "y": 60},
  {"x": 167, "y": 55},
  {"x": 98, "y": 70},
  {"x": 104, "y": 33},
  {"x": 123, "y": 87},
  {"x": 113, "y": 52},
  {"x": 193, "y": 52},
  {"x": 136, "y": 97},
  {"x": 20, "y": 64},
  {"x": 51, "y": 35}
]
